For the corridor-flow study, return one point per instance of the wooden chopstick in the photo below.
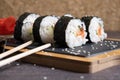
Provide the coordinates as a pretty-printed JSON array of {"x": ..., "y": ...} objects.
[
  {"x": 24, "y": 54},
  {"x": 4, "y": 54}
]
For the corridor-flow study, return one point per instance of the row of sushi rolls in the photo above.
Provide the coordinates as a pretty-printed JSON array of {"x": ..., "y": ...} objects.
[{"x": 66, "y": 30}]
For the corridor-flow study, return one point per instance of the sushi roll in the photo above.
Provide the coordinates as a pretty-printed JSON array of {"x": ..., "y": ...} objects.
[
  {"x": 24, "y": 26},
  {"x": 94, "y": 28},
  {"x": 70, "y": 32},
  {"x": 44, "y": 28}
]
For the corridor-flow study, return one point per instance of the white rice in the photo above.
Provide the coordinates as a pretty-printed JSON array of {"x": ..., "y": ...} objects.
[
  {"x": 70, "y": 34},
  {"x": 47, "y": 29},
  {"x": 31, "y": 18},
  {"x": 28, "y": 26},
  {"x": 68, "y": 15},
  {"x": 93, "y": 27}
]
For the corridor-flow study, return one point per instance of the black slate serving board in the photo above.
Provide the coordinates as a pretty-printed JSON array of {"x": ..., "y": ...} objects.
[{"x": 87, "y": 50}]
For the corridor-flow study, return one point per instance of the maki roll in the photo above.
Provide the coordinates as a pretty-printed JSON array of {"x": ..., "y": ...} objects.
[
  {"x": 70, "y": 32},
  {"x": 43, "y": 29},
  {"x": 24, "y": 26},
  {"x": 94, "y": 28}
]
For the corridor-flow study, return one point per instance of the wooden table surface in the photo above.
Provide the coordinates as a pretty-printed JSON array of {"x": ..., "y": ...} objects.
[{"x": 26, "y": 71}]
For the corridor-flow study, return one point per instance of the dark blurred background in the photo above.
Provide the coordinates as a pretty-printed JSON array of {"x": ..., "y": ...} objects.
[{"x": 108, "y": 10}]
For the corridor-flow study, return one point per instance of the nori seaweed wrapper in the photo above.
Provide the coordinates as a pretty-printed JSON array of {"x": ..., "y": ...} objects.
[
  {"x": 87, "y": 20},
  {"x": 18, "y": 27},
  {"x": 36, "y": 27},
  {"x": 59, "y": 30}
]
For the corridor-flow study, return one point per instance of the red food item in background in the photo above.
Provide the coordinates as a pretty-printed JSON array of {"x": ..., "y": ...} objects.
[{"x": 7, "y": 25}]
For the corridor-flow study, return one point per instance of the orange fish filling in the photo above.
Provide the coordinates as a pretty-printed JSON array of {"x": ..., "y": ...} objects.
[
  {"x": 81, "y": 33},
  {"x": 99, "y": 31}
]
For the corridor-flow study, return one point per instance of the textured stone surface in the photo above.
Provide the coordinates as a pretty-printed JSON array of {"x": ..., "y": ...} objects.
[
  {"x": 24, "y": 71},
  {"x": 108, "y": 10}
]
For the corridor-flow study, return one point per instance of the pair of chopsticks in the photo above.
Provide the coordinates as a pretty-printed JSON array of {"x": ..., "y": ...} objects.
[{"x": 21, "y": 55}]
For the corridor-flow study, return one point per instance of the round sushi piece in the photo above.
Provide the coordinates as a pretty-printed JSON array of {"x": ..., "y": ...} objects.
[
  {"x": 44, "y": 28},
  {"x": 95, "y": 28},
  {"x": 24, "y": 26},
  {"x": 70, "y": 32}
]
